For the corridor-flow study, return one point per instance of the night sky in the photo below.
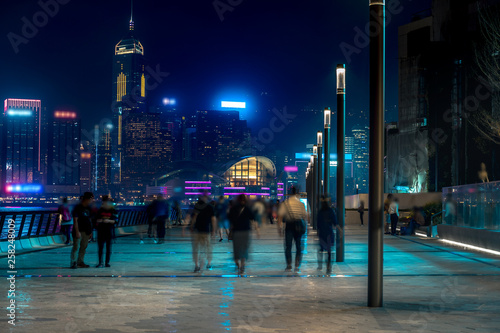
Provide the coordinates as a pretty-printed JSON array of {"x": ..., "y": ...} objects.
[{"x": 288, "y": 49}]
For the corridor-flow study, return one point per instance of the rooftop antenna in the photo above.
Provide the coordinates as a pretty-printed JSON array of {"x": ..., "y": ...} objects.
[{"x": 131, "y": 15}]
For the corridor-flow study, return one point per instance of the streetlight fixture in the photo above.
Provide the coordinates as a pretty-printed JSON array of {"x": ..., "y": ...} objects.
[
  {"x": 341, "y": 161},
  {"x": 326, "y": 177},
  {"x": 315, "y": 186},
  {"x": 319, "y": 137},
  {"x": 376, "y": 177}
]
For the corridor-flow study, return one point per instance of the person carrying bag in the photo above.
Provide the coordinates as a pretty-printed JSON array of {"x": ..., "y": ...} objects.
[{"x": 293, "y": 214}]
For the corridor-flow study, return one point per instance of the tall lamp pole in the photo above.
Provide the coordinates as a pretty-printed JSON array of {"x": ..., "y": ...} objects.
[
  {"x": 326, "y": 177},
  {"x": 320, "y": 166},
  {"x": 376, "y": 177},
  {"x": 315, "y": 187},
  {"x": 340, "y": 161}
]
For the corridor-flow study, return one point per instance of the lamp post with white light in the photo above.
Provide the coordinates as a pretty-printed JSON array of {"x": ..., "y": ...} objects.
[
  {"x": 326, "y": 177},
  {"x": 340, "y": 161},
  {"x": 320, "y": 165}
]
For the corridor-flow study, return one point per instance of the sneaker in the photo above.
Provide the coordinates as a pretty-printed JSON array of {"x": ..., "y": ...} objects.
[
  {"x": 99, "y": 266},
  {"x": 242, "y": 271},
  {"x": 197, "y": 269},
  {"x": 288, "y": 269},
  {"x": 297, "y": 270},
  {"x": 83, "y": 265},
  {"x": 329, "y": 270},
  {"x": 160, "y": 241},
  {"x": 141, "y": 242},
  {"x": 108, "y": 265},
  {"x": 155, "y": 241},
  {"x": 220, "y": 240},
  {"x": 209, "y": 267},
  {"x": 319, "y": 269},
  {"x": 74, "y": 266}
]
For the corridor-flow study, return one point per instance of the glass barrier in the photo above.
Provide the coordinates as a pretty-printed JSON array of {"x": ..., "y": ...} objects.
[{"x": 473, "y": 206}]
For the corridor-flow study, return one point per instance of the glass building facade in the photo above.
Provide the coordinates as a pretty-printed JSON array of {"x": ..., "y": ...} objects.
[
  {"x": 251, "y": 171},
  {"x": 21, "y": 141}
]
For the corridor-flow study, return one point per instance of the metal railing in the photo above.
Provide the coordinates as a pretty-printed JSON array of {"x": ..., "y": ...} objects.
[{"x": 36, "y": 223}]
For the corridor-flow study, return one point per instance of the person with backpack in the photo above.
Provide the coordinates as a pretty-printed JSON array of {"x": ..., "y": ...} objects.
[
  {"x": 203, "y": 224},
  {"x": 65, "y": 219},
  {"x": 105, "y": 222},
  {"x": 293, "y": 214}
]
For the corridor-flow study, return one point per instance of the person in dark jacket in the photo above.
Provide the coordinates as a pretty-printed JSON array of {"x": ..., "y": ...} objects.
[
  {"x": 82, "y": 230},
  {"x": 106, "y": 218},
  {"x": 327, "y": 222},
  {"x": 160, "y": 210},
  {"x": 241, "y": 219}
]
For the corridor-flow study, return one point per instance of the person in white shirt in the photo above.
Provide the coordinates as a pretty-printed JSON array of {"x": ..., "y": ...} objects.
[
  {"x": 394, "y": 214},
  {"x": 293, "y": 213}
]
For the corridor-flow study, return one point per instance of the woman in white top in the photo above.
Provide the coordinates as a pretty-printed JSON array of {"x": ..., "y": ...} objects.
[{"x": 394, "y": 213}]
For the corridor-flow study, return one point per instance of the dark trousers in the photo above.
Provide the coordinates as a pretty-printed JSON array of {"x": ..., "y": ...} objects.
[
  {"x": 292, "y": 235},
  {"x": 160, "y": 226},
  {"x": 394, "y": 223},
  {"x": 66, "y": 231},
  {"x": 361, "y": 217},
  {"x": 104, "y": 236}
]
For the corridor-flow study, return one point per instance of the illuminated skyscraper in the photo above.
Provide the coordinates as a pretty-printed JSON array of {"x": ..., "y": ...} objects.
[
  {"x": 21, "y": 123},
  {"x": 129, "y": 92},
  {"x": 64, "y": 149},
  {"x": 103, "y": 158},
  {"x": 361, "y": 157}
]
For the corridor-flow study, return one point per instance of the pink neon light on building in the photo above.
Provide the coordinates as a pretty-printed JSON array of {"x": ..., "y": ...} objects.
[{"x": 65, "y": 114}]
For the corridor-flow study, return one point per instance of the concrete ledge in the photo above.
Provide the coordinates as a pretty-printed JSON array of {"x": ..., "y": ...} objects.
[
  {"x": 44, "y": 241},
  {"x": 35, "y": 242},
  {"x": 26, "y": 244},
  {"x": 4, "y": 246},
  {"x": 58, "y": 239},
  {"x": 487, "y": 239}
]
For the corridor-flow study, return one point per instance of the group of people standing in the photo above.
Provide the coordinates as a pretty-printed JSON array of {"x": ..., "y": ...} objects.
[{"x": 81, "y": 222}]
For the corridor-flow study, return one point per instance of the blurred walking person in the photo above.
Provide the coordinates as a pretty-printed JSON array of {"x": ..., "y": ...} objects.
[
  {"x": 241, "y": 218},
  {"x": 394, "y": 213},
  {"x": 106, "y": 219},
  {"x": 65, "y": 219},
  {"x": 293, "y": 213},
  {"x": 160, "y": 211},
  {"x": 151, "y": 215},
  {"x": 221, "y": 209},
  {"x": 259, "y": 210},
  {"x": 82, "y": 229},
  {"x": 203, "y": 224},
  {"x": 327, "y": 222},
  {"x": 387, "y": 216}
]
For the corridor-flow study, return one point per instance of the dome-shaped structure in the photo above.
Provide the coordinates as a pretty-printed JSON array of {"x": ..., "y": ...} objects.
[{"x": 250, "y": 171}]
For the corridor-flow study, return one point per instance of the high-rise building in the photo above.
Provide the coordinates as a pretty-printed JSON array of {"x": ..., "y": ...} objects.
[
  {"x": 361, "y": 157},
  {"x": 221, "y": 136},
  {"x": 129, "y": 92},
  {"x": 148, "y": 150},
  {"x": 64, "y": 149},
  {"x": 21, "y": 124},
  {"x": 103, "y": 154},
  {"x": 87, "y": 165}
]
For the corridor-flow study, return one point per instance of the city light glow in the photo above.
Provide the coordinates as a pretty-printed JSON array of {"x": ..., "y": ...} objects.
[
  {"x": 197, "y": 182},
  {"x": 19, "y": 113},
  {"x": 291, "y": 168},
  {"x": 23, "y": 188},
  {"x": 65, "y": 114},
  {"x": 169, "y": 101},
  {"x": 234, "y": 105}
]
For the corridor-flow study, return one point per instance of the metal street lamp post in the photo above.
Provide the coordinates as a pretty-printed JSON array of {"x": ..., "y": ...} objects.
[
  {"x": 376, "y": 177},
  {"x": 326, "y": 177},
  {"x": 315, "y": 187},
  {"x": 340, "y": 161},
  {"x": 320, "y": 165}
]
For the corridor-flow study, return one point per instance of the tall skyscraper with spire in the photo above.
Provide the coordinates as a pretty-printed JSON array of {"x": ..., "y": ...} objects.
[{"x": 129, "y": 93}]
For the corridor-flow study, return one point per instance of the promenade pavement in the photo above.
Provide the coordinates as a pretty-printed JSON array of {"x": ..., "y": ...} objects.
[{"x": 428, "y": 287}]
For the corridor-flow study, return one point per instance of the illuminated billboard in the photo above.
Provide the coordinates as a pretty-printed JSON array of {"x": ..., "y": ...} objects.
[
  {"x": 233, "y": 105},
  {"x": 23, "y": 188}
]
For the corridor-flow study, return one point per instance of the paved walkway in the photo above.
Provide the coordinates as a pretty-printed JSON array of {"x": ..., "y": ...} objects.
[{"x": 429, "y": 287}]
